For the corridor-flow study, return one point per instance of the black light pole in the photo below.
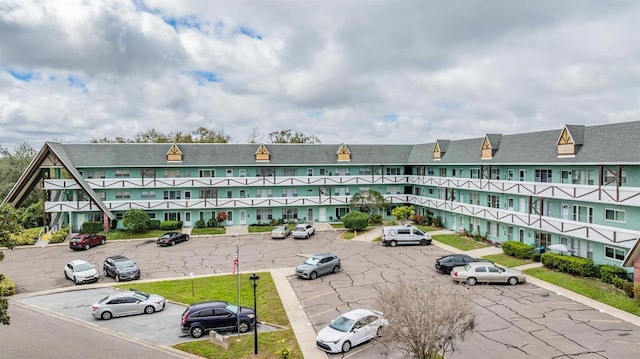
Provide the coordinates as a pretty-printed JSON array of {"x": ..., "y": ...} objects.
[{"x": 254, "y": 280}]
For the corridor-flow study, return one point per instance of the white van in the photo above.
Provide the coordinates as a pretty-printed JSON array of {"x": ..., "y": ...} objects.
[{"x": 395, "y": 235}]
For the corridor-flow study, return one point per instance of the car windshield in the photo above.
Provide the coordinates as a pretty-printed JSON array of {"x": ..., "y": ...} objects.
[
  {"x": 342, "y": 324},
  {"x": 141, "y": 295},
  {"x": 83, "y": 267},
  {"x": 124, "y": 264},
  {"x": 232, "y": 308},
  {"x": 312, "y": 261},
  {"x": 167, "y": 235},
  {"x": 279, "y": 229},
  {"x": 300, "y": 229}
]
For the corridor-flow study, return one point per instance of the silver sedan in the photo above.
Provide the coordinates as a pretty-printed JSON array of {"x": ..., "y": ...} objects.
[
  {"x": 127, "y": 303},
  {"x": 486, "y": 272}
]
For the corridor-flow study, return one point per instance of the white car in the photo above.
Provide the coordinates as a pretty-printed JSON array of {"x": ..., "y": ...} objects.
[
  {"x": 81, "y": 271},
  {"x": 350, "y": 329},
  {"x": 303, "y": 231}
]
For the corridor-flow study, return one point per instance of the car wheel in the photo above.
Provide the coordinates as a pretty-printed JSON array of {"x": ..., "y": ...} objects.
[
  {"x": 173, "y": 243},
  {"x": 65, "y": 275},
  {"x": 379, "y": 331},
  {"x": 105, "y": 272},
  {"x": 103, "y": 241},
  {"x": 187, "y": 238},
  {"x": 307, "y": 237},
  {"x": 149, "y": 309},
  {"x": 106, "y": 315},
  {"x": 75, "y": 280},
  {"x": 471, "y": 281},
  {"x": 423, "y": 242},
  {"x": 346, "y": 346},
  {"x": 87, "y": 246},
  {"x": 393, "y": 243},
  {"x": 244, "y": 327},
  {"x": 117, "y": 278},
  {"x": 513, "y": 281},
  {"x": 196, "y": 332},
  {"x": 313, "y": 275},
  {"x": 336, "y": 269}
]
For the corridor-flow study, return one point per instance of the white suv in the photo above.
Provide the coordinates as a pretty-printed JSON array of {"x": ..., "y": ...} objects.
[
  {"x": 394, "y": 235},
  {"x": 303, "y": 231}
]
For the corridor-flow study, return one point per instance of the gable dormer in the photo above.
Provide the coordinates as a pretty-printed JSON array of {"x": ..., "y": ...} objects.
[
  {"x": 262, "y": 154},
  {"x": 343, "y": 153},
  {"x": 490, "y": 146},
  {"x": 570, "y": 139},
  {"x": 174, "y": 154},
  {"x": 439, "y": 149}
]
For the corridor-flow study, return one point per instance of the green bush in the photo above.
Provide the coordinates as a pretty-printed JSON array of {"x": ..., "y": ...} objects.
[
  {"x": 92, "y": 227},
  {"x": 136, "y": 220},
  {"x": 625, "y": 285},
  {"x": 636, "y": 292},
  {"x": 7, "y": 287},
  {"x": 579, "y": 266},
  {"x": 356, "y": 220},
  {"x": 200, "y": 224},
  {"x": 212, "y": 222},
  {"x": 418, "y": 219},
  {"x": 170, "y": 225},
  {"x": 608, "y": 273},
  {"x": 154, "y": 224},
  {"x": 60, "y": 236},
  {"x": 517, "y": 249},
  {"x": 26, "y": 237},
  {"x": 376, "y": 219}
]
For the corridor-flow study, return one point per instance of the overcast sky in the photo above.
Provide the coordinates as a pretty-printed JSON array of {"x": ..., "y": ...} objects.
[{"x": 345, "y": 71}]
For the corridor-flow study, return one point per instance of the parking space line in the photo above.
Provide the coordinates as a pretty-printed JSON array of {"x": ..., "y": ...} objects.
[{"x": 317, "y": 296}]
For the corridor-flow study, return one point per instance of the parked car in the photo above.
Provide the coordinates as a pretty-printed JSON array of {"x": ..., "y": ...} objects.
[
  {"x": 317, "y": 265},
  {"x": 127, "y": 303},
  {"x": 80, "y": 271},
  {"x": 486, "y": 272},
  {"x": 303, "y": 231},
  {"x": 120, "y": 268},
  {"x": 281, "y": 232},
  {"x": 350, "y": 329},
  {"x": 86, "y": 241},
  {"x": 171, "y": 238},
  {"x": 397, "y": 235},
  {"x": 446, "y": 263},
  {"x": 199, "y": 318}
]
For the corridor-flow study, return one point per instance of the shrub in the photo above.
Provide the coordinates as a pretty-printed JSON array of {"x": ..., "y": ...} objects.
[
  {"x": 355, "y": 220},
  {"x": 60, "y": 236},
  {"x": 636, "y": 292},
  {"x": 92, "y": 227},
  {"x": 154, "y": 224},
  {"x": 608, "y": 273},
  {"x": 136, "y": 220},
  {"x": 625, "y": 285},
  {"x": 200, "y": 224},
  {"x": 170, "y": 225},
  {"x": 517, "y": 249},
  {"x": 26, "y": 237},
  {"x": 418, "y": 219},
  {"x": 579, "y": 266},
  {"x": 376, "y": 219},
  {"x": 7, "y": 287}
]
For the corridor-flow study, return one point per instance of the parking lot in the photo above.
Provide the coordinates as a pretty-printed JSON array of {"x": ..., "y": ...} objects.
[{"x": 523, "y": 321}]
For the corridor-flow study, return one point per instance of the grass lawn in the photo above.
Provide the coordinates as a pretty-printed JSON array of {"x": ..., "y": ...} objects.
[
  {"x": 337, "y": 225},
  {"x": 208, "y": 231},
  {"x": 589, "y": 287},
  {"x": 428, "y": 228},
  {"x": 507, "y": 260},
  {"x": 121, "y": 234},
  {"x": 459, "y": 242},
  {"x": 225, "y": 288},
  {"x": 260, "y": 229}
]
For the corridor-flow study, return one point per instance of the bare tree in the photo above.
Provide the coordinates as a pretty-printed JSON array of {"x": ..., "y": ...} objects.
[{"x": 425, "y": 320}]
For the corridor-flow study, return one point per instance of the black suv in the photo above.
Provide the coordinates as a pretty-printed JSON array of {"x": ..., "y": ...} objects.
[
  {"x": 445, "y": 264},
  {"x": 199, "y": 318},
  {"x": 120, "y": 268}
]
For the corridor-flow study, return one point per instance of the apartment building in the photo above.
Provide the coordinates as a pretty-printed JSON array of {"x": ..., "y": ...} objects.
[{"x": 576, "y": 185}]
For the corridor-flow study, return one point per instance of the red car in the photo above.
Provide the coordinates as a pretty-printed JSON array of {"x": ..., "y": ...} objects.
[{"x": 86, "y": 241}]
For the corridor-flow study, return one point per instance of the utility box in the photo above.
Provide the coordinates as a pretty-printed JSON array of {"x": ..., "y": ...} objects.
[{"x": 219, "y": 339}]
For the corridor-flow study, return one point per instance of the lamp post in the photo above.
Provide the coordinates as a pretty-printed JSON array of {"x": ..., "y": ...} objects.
[{"x": 254, "y": 280}]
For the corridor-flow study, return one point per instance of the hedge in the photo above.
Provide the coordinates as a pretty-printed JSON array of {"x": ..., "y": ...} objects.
[
  {"x": 579, "y": 266},
  {"x": 92, "y": 227},
  {"x": 170, "y": 225},
  {"x": 7, "y": 287},
  {"x": 517, "y": 249}
]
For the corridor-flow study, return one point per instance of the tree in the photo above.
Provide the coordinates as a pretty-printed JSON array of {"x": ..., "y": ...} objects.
[
  {"x": 200, "y": 135},
  {"x": 426, "y": 320},
  {"x": 403, "y": 213},
  {"x": 136, "y": 220},
  {"x": 12, "y": 165},
  {"x": 221, "y": 217},
  {"x": 356, "y": 220},
  {"x": 368, "y": 201},
  {"x": 8, "y": 225},
  {"x": 289, "y": 136}
]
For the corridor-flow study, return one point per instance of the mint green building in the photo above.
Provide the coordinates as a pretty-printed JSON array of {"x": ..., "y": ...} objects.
[{"x": 576, "y": 185}]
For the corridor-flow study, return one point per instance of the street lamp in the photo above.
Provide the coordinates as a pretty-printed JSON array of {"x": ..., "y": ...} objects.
[{"x": 254, "y": 280}]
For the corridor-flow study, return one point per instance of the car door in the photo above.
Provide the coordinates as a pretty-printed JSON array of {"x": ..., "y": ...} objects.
[
  {"x": 495, "y": 275},
  {"x": 69, "y": 270},
  {"x": 360, "y": 332},
  {"x": 480, "y": 272},
  {"x": 225, "y": 318},
  {"x": 326, "y": 265},
  {"x": 131, "y": 305}
]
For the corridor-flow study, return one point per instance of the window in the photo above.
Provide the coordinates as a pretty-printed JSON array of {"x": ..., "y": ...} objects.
[
  {"x": 95, "y": 174},
  {"x": 123, "y": 195},
  {"x": 290, "y": 213},
  {"x": 103, "y": 196},
  {"x": 208, "y": 193},
  {"x": 430, "y": 191},
  {"x": 430, "y": 171},
  {"x": 453, "y": 172},
  {"x": 264, "y": 172},
  {"x": 119, "y": 216},
  {"x": 474, "y": 198},
  {"x": 152, "y": 215},
  {"x": 342, "y": 171},
  {"x": 475, "y": 172},
  {"x": 614, "y": 215},
  {"x": 341, "y": 191},
  {"x": 495, "y": 173},
  {"x": 609, "y": 176},
  {"x": 263, "y": 192},
  {"x": 510, "y": 175},
  {"x": 242, "y": 172},
  {"x": 493, "y": 229},
  {"x": 122, "y": 173},
  {"x": 229, "y": 172},
  {"x": 521, "y": 175},
  {"x": 341, "y": 212},
  {"x": 583, "y": 177},
  {"x": 172, "y": 195},
  {"x": 171, "y": 173},
  {"x": 243, "y": 193},
  {"x": 542, "y": 239},
  {"x": 583, "y": 214},
  {"x": 289, "y": 172},
  {"x": 442, "y": 172},
  {"x": 229, "y": 194},
  {"x": 187, "y": 194},
  {"x": 207, "y": 173},
  {"x": 543, "y": 176},
  {"x": 493, "y": 201},
  {"x": 363, "y": 171},
  {"x": 614, "y": 253},
  {"x": 148, "y": 195},
  {"x": 393, "y": 171},
  {"x": 172, "y": 216},
  {"x": 309, "y": 172},
  {"x": 290, "y": 192},
  {"x": 149, "y": 173},
  {"x": 322, "y": 172},
  {"x": 264, "y": 214},
  {"x": 94, "y": 217},
  {"x": 394, "y": 190}
]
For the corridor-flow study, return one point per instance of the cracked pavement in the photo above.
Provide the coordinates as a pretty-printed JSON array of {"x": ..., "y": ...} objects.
[{"x": 523, "y": 321}]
